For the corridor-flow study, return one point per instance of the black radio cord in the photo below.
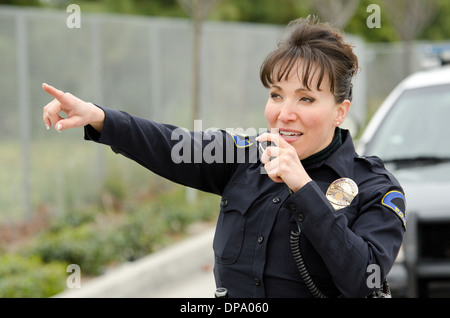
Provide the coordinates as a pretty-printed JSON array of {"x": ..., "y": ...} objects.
[{"x": 295, "y": 247}]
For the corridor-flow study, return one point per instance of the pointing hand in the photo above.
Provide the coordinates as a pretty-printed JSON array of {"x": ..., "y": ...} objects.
[{"x": 79, "y": 113}]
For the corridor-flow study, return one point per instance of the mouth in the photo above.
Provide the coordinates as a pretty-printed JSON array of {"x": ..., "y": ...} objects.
[{"x": 290, "y": 135}]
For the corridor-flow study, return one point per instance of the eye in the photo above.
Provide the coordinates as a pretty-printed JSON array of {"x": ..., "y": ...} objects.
[
  {"x": 275, "y": 96},
  {"x": 307, "y": 100}
]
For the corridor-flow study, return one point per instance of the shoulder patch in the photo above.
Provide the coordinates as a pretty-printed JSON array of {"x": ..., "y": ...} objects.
[
  {"x": 395, "y": 200},
  {"x": 241, "y": 141}
]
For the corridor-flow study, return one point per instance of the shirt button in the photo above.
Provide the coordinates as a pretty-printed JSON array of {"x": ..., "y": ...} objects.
[
  {"x": 276, "y": 200},
  {"x": 292, "y": 207},
  {"x": 300, "y": 217},
  {"x": 257, "y": 281},
  {"x": 224, "y": 203},
  {"x": 260, "y": 239}
]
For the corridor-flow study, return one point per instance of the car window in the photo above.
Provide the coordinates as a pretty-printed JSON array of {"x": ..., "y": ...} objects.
[{"x": 417, "y": 125}]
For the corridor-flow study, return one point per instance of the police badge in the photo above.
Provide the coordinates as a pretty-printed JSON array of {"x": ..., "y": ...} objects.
[{"x": 341, "y": 192}]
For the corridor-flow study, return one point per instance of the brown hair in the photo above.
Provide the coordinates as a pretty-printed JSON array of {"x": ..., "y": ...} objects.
[{"x": 322, "y": 49}]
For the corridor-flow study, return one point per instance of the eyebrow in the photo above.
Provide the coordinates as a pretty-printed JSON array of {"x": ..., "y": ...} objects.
[{"x": 298, "y": 90}]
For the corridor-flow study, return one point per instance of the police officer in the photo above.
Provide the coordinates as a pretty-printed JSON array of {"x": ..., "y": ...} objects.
[{"x": 348, "y": 211}]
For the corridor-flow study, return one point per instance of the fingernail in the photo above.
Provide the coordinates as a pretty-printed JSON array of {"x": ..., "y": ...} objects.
[
  {"x": 59, "y": 127},
  {"x": 47, "y": 126}
]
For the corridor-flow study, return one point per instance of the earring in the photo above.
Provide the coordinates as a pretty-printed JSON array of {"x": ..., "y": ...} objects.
[{"x": 338, "y": 123}]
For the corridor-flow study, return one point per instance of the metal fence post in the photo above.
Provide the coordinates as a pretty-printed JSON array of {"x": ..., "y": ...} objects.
[
  {"x": 23, "y": 98},
  {"x": 96, "y": 38}
]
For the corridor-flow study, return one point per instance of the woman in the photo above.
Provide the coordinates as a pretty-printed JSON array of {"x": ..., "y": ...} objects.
[{"x": 348, "y": 210}]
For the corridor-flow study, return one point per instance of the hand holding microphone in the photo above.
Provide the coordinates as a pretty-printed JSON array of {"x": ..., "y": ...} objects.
[{"x": 281, "y": 161}]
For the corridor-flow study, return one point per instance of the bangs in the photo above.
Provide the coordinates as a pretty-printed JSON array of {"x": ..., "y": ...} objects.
[{"x": 280, "y": 64}]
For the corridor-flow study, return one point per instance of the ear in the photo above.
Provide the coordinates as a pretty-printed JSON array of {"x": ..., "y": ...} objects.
[{"x": 342, "y": 111}]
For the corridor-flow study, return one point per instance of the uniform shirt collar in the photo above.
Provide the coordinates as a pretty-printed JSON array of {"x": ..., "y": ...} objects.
[
  {"x": 341, "y": 158},
  {"x": 325, "y": 153}
]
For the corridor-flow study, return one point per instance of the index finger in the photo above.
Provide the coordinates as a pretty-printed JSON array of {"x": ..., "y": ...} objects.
[
  {"x": 56, "y": 93},
  {"x": 272, "y": 137}
]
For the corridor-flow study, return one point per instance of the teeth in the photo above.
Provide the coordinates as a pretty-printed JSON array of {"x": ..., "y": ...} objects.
[{"x": 290, "y": 133}]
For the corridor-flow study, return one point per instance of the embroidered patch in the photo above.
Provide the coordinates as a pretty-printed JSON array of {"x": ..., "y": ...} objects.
[
  {"x": 241, "y": 141},
  {"x": 395, "y": 200}
]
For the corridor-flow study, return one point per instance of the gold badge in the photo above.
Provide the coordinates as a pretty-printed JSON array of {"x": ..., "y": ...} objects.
[{"x": 341, "y": 193}]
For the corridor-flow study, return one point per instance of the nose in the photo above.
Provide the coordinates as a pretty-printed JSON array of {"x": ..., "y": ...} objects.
[{"x": 287, "y": 112}]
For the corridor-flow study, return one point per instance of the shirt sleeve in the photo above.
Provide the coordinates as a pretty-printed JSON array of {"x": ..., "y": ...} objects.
[
  {"x": 348, "y": 250},
  {"x": 194, "y": 159}
]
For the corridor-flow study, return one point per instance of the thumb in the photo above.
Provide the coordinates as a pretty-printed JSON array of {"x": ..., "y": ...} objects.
[{"x": 66, "y": 123}]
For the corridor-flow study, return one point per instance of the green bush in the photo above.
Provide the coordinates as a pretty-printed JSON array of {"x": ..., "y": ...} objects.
[
  {"x": 173, "y": 209},
  {"x": 96, "y": 240},
  {"x": 80, "y": 245},
  {"x": 29, "y": 277},
  {"x": 73, "y": 219},
  {"x": 140, "y": 234}
]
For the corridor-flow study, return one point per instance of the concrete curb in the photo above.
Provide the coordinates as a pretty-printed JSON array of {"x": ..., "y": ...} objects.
[{"x": 150, "y": 275}]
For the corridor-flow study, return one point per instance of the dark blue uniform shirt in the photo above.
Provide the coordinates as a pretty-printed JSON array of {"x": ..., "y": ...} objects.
[{"x": 252, "y": 250}]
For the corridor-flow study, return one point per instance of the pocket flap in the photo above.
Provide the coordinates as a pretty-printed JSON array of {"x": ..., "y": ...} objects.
[{"x": 238, "y": 197}]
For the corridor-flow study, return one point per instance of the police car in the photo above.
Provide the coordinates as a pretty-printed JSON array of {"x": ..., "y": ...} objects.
[{"x": 411, "y": 133}]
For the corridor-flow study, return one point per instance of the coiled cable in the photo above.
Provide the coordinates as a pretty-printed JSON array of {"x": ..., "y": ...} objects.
[{"x": 298, "y": 258}]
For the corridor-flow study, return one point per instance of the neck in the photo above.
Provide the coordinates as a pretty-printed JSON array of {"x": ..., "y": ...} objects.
[{"x": 325, "y": 153}]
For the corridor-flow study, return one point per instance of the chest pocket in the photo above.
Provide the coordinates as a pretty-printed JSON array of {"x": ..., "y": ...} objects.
[{"x": 230, "y": 230}]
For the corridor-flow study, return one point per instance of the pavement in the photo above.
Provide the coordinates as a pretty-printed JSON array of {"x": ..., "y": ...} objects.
[{"x": 183, "y": 270}]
